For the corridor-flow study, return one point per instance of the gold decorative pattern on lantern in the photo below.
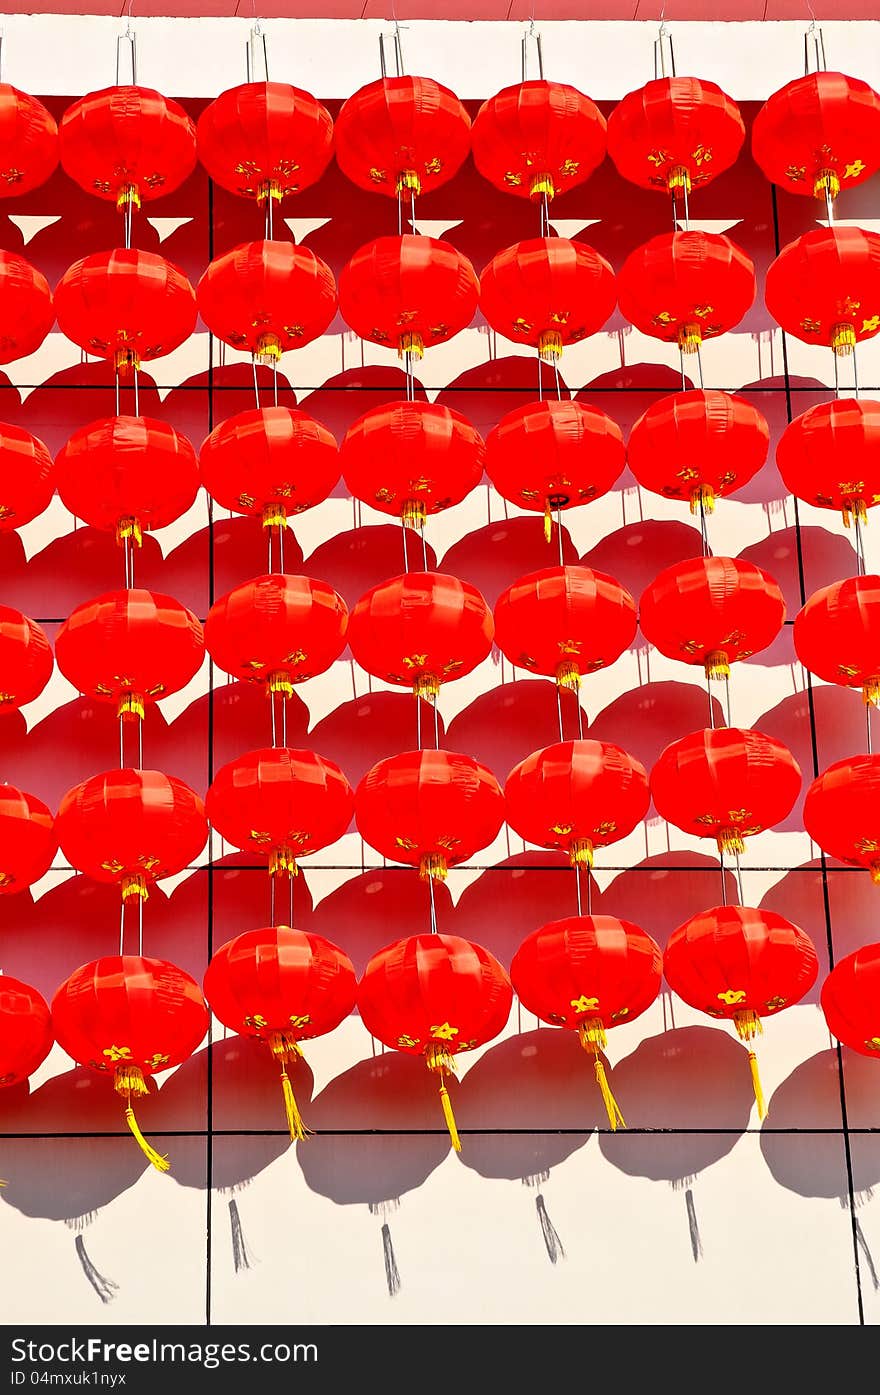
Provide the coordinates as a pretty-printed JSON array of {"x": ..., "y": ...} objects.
[
  {"x": 731, "y": 996},
  {"x": 444, "y": 1032},
  {"x": 117, "y": 1053},
  {"x": 854, "y": 169},
  {"x": 407, "y": 1042},
  {"x": 584, "y": 1004}
]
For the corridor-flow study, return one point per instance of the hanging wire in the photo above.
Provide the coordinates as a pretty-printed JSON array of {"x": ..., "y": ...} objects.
[
  {"x": 433, "y": 907},
  {"x": 256, "y": 383},
  {"x": 683, "y": 374},
  {"x": 137, "y": 405},
  {"x": 532, "y": 33},
  {"x": 283, "y": 720},
  {"x": 577, "y": 882},
  {"x": 140, "y": 901},
  {"x": 272, "y": 898},
  {"x": 559, "y": 533},
  {"x": 122, "y": 926},
  {"x": 818, "y": 44},
  {"x": 436, "y": 726},
  {"x": 739, "y": 882},
  {"x": 855, "y": 374},
  {"x": 662, "y": 45},
  {"x": 559, "y": 711},
  {"x": 580, "y": 713}
]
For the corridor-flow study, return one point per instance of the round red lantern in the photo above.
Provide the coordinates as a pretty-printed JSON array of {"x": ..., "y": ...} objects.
[
  {"x": 267, "y": 297},
  {"x": 265, "y": 140},
  {"x": 421, "y": 629},
  {"x": 538, "y": 139},
  {"x": 270, "y": 462},
  {"x": 830, "y": 456},
  {"x": 837, "y": 634},
  {"x": 27, "y": 841},
  {"x": 842, "y": 812},
  {"x": 850, "y": 1000},
  {"x": 412, "y": 459},
  {"x": 26, "y": 474},
  {"x": 402, "y": 134},
  {"x": 547, "y": 292},
  {"x": 131, "y": 827},
  {"x": 819, "y": 134},
  {"x": 563, "y": 622},
  {"x": 408, "y": 292},
  {"x": 126, "y": 306},
  {"x": 739, "y": 964},
  {"x": 824, "y": 287},
  {"x": 26, "y": 661},
  {"x": 280, "y": 804},
  {"x": 434, "y": 996},
  {"x": 728, "y": 784},
  {"x": 129, "y": 1017},
  {"x": 277, "y": 630},
  {"x": 283, "y": 987},
  {"x": 685, "y": 287},
  {"x": 129, "y": 144},
  {"x": 675, "y": 133},
  {"x": 28, "y": 142},
  {"x": 712, "y": 611},
  {"x": 578, "y": 796},
  {"x": 25, "y": 1030},
  {"x": 429, "y": 809},
  {"x": 698, "y": 446},
  {"x": 588, "y": 973},
  {"x": 27, "y": 310}
]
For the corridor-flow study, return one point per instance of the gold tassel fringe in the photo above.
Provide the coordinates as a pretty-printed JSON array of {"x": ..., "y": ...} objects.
[
  {"x": 871, "y": 691},
  {"x": 615, "y": 1118},
  {"x": 433, "y": 867},
  {"x": 730, "y": 840},
  {"x": 127, "y": 194},
  {"x": 702, "y": 496},
  {"x": 678, "y": 178},
  {"x": 159, "y": 1160},
  {"x": 129, "y": 1080},
  {"x": 270, "y": 189},
  {"x": 427, "y": 685},
  {"x": 409, "y": 179},
  {"x": 854, "y": 508},
  {"x": 135, "y": 885},
  {"x": 690, "y": 337},
  {"x": 874, "y": 869},
  {"x": 748, "y": 1024},
  {"x": 131, "y": 705},
  {"x": 827, "y": 182},
  {"x": 548, "y": 521},
  {"x": 592, "y": 1034},
  {"x": 129, "y": 528},
  {"x": 448, "y": 1115},
  {"x": 268, "y": 350},
  {"x": 126, "y": 362},
  {"x": 439, "y": 1057},
  {"x": 280, "y": 681},
  {"x": 756, "y": 1085},
  {"x": 717, "y": 664},
  {"x": 542, "y": 184},
  {"x": 580, "y": 852},
  {"x": 414, "y": 514},
  {"x": 411, "y": 343},
  {"x": 274, "y": 516},
  {"x": 550, "y": 345},
  {"x": 843, "y": 339},
  {"x": 282, "y": 863},
  {"x": 567, "y": 674},
  {"x": 298, "y": 1130}
]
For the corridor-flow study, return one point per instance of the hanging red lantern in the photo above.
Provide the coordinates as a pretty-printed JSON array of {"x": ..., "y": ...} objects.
[
  {"x": 280, "y": 804},
  {"x": 283, "y": 987},
  {"x": 265, "y": 140},
  {"x": 130, "y": 1016},
  {"x": 126, "y": 306},
  {"x": 421, "y": 629},
  {"x": 699, "y": 446},
  {"x": 837, "y": 634},
  {"x": 27, "y": 310},
  {"x": 712, "y": 611},
  {"x": 26, "y": 661},
  {"x": 25, "y": 1030},
  {"x": 588, "y": 974},
  {"x": 686, "y": 287},
  {"x": 675, "y": 133},
  {"x": 553, "y": 455},
  {"x": 547, "y": 292},
  {"x": 267, "y": 297},
  {"x": 27, "y": 841},
  {"x": 434, "y": 996},
  {"x": 412, "y": 459},
  {"x": 729, "y": 784},
  {"x": 563, "y": 622},
  {"x": 829, "y": 456},
  {"x": 538, "y": 139},
  {"x": 28, "y": 142},
  {"x": 277, "y": 630},
  {"x": 819, "y": 134},
  {"x": 850, "y": 1000},
  {"x": 270, "y": 462},
  {"x": 130, "y": 648},
  {"x": 131, "y": 827},
  {"x": 25, "y": 470},
  {"x": 429, "y": 809},
  {"x": 578, "y": 796},
  {"x": 126, "y": 143},
  {"x": 842, "y": 812},
  {"x": 408, "y": 293},
  {"x": 739, "y": 964},
  {"x": 824, "y": 287},
  {"x": 402, "y": 134}
]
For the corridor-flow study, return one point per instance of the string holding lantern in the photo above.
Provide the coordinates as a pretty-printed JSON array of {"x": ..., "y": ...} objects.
[
  {"x": 547, "y": 292},
  {"x": 829, "y": 456},
  {"x": 837, "y": 634},
  {"x": 408, "y": 293},
  {"x": 26, "y": 473},
  {"x": 401, "y": 135},
  {"x": 269, "y": 462},
  {"x": 265, "y": 140},
  {"x": 28, "y": 142},
  {"x": 824, "y": 288},
  {"x": 26, "y": 660},
  {"x": 818, "y": 134},
  {"x": 841, "y": 812},
  {"x": 26, "y": 1035},
  {"x": 128, "y": 144},
  {"x": 850, "y": 1000},
  {"x": 686, "y": 287},
  {"x": 27, "y": 307},
  {"x": 537, "y": 139},
  {"x": 27, "y": 840}
]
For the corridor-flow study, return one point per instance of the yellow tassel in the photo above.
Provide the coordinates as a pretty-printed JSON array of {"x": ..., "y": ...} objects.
[
  {"x": 542, "y": 184},
  {"x": 690, "y": 337},
  {"x": 439, "y": 1058},
  {"x": 827, "y": 182},
  {"x": 843, "y": 339},
  {"x": 411, "y": 343},
  {"x": 282, "y": 863},
  {"x": 854, "y": 508},
  {"x": 127, "y": 194},
  {"x": 126, "y": 361},
  {"x": 730, "y": 840},
  {"x": 580, "y": 852},
  {"x": 567, "y": 675},
  {"x": 409, "y": 179},
  {"x": 449, "y": 1117},
  {"x": 135, "y": 885},
  {"x": 592, "y": 1034},
  {"x": 268, "y": 350},
  {"x": 871, "y": 691},
  {"x": 280, "y": 681},
  {"x": 756, "y": 1085},
  {"x": 128, "y": 1081},
  {"x": 678, "y": 178},
  {"x": 702, "y": 496},
  {"x": 874, "y": 869},
  {"x": 615, "y": 1118},
  {"x": 717, "y": 664},
  {"x": 159, "y": 1160},
  {"x": 550, "y": 345},
  {"x": 131, "y": 705},
  {"x": 427, "y": 685},
  {"x": 433, "y": 867},
  {"x": 270, "y": 189},
  {"x": 129, "y": 528},
  {"x": 748, "y": 1024},
  {"x": 414, "y": 514},
  {"x": 548, "y": 521},
  {"x": 274, "y": 516},
  {"x": 298, "y": 1130}
]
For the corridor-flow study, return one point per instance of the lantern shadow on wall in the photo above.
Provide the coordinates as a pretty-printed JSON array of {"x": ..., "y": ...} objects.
[
  {"x": 369, "y": 728},
  {"x": 510, "y": 900},
  {"x": 504, "y": 725}
]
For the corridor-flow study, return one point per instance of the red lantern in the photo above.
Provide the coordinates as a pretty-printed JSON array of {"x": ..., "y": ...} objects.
[
  {"x": 26, "y": 474},
  {"x": 270, "y": 462},
  {"x": 130, "y": 648},
  {"x": 26, "y": 661},
  {"x": 685, "y": 287},
  {"x": 563, "y": 622},
  {"x": 824, "y": 287},
  {"x": 411, "y": 459},
  {"x": 27, "y": 841},
  {"x": 25, "y": 1030},
  {"x": 265, "y": 140},
  {"x": 829, "y": 456},
  {"x": 429, "y": 809},
  {"x": 578, "y": 796},
  {"x": 27, "y": 311},
  {"x": 421, "y": 629},
  {"x": 126, "y": 306},
  {"x": 280, "y": 804},
  {"x": 131, "y": 1016},
  {"x": 738, "y": 964},
  {"x": 842, "y": 812},
  {"x": 554, "y": 454},
  {"x": 850, "y": 1000},
  {"x": 698, "y": 446},
  {"x": 402, "y": 134},
  {"x": 588, "y": 973},
  {"x": 712, "y": 611},
  {"x": 728, "y": 784},
  {"x": 267, "y": 297},
  {"x": 538, "y": 139},
  {"x": 129, "y": 144},
  {"x": 131, "y": 827},
  {"x": 547, "y": 292},
  {"x": 434, "y": 996},
  {"x": 819, "y": 134},
  {"x": 28, "y": 142},
  {"x": 675, "y": 133},
  {"x": 281, "y": 986},
  {"x": 277, "y": 630},
  {"x": 408, "y": 292},
  {"x": 837, "y": 634}
]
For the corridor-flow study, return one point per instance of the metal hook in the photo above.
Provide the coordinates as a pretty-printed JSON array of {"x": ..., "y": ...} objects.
[
  {"x": 255, "y": 51},
  {"x": 130, "y": 38},
  {"x": 815, "y": 33},
  {"x": 532, "y": 33},
  {"x": 662, "y": 46},
  {"x": 398, "y": 53}
]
